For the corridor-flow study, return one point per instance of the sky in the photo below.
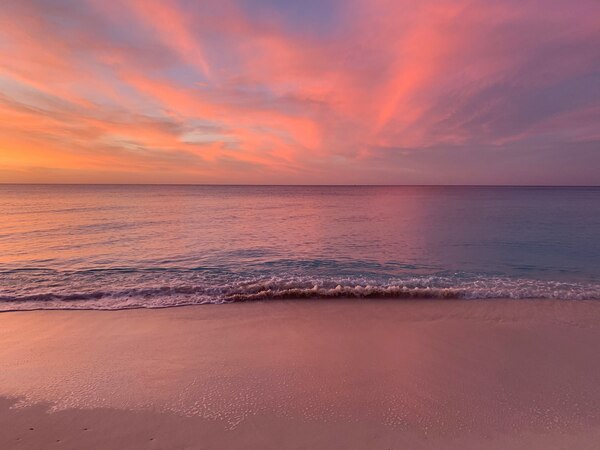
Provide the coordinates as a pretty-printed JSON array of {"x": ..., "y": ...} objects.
[{"x": 300, "y": 92}]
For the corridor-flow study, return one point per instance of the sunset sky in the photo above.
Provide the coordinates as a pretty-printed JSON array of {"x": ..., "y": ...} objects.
[{"x": 311, "y": 91}]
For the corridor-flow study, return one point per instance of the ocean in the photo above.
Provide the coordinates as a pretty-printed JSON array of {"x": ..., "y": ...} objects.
[{"x": 116, "y": 247}]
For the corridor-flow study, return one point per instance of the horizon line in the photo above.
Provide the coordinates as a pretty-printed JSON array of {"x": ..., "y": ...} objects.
[{"x": 305, "y": 185}]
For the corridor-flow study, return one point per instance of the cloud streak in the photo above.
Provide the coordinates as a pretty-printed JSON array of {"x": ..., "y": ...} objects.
[{"x": 260, "y": 91}]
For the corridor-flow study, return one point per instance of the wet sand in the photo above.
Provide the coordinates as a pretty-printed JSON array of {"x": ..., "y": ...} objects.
[{"x": 444, "y": 374}]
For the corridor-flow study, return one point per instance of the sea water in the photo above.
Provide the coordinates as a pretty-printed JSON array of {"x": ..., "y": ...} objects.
[{"x": 112, "y": 247}]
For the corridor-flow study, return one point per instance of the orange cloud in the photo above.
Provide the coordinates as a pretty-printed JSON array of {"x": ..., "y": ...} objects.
[{"x": 247, "y": 91}]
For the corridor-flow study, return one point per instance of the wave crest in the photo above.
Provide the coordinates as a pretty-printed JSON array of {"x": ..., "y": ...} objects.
[
  {"x": 118, "y": 290},
  {"x": 344, "y": 292}
]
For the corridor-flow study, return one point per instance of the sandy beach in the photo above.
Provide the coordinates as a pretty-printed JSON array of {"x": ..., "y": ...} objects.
[{"x": 451, "y": 374}]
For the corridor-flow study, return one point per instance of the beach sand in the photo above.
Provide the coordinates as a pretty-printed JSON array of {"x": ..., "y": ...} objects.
[{"x": 377, "y": 374}]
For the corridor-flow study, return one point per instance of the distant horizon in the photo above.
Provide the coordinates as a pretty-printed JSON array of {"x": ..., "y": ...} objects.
[{"x": 310, "y": 185}]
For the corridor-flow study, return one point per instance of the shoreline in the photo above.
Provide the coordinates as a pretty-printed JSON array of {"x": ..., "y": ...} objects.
[
  {"x": 309, "y": 300},
  {"x": 339, "y": 373}
]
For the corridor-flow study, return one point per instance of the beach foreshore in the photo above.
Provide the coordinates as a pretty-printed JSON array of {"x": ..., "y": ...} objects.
[{"x": 343, "y": 373}]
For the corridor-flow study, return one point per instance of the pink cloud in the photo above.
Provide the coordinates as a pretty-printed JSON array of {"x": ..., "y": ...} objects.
[{"x": 235, "y": 92}]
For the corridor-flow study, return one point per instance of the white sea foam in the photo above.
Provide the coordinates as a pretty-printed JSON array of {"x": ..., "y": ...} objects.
[{"x": 174, "y": 289}]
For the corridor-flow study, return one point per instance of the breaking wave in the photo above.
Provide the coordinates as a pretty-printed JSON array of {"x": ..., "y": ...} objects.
[
  {"x": 344, "y": 292},
  {"x": 172, "y": 288}
]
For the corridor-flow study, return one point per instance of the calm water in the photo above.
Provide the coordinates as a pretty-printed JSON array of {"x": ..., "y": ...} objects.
[{"x": 152, "y": 246}]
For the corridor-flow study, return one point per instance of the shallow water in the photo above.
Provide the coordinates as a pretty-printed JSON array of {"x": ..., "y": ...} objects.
[{"x": 112, "y": 247}]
